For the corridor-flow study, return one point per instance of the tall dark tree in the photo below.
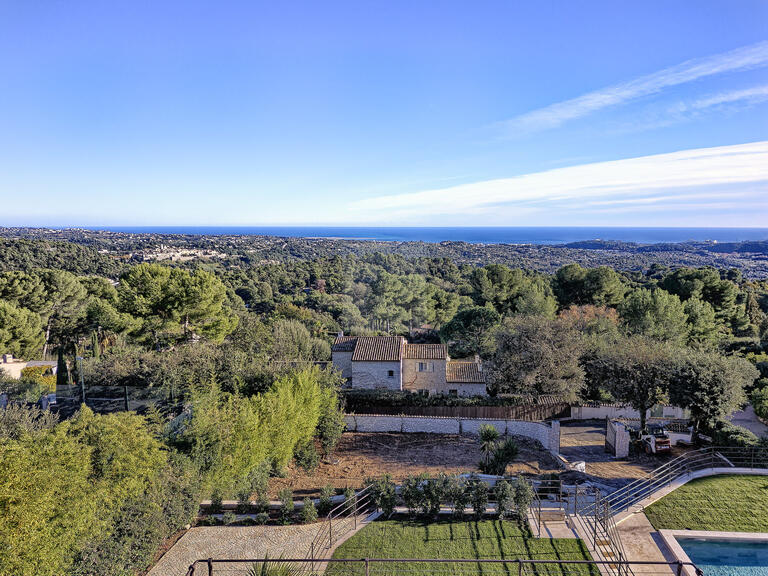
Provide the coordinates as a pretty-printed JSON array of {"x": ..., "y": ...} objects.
[{"x": 535, "y": 355}]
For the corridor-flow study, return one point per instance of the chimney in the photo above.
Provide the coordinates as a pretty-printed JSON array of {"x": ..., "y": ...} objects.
[{"x": 479, "y": 363}]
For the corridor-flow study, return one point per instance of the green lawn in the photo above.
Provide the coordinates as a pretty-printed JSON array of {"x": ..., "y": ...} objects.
[
  {"x": 456, "y": 539},
  {"x": 728, "y": 503}
]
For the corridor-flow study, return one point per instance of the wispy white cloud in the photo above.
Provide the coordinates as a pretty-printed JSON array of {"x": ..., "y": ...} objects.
[
  {"x": 746, "y": 96},
  {"x": 661, "y": 116},
  {"x": 692, "y": 178},
  {"x": 554, "y": 115}
]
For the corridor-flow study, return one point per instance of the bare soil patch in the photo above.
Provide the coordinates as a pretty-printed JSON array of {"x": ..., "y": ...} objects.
[
  {"x": 361, "y": 455},
  {"x": 585, "y": 440}
]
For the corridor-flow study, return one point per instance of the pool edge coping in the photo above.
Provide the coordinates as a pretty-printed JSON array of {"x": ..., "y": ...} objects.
[{"x": 670, "y": 539}]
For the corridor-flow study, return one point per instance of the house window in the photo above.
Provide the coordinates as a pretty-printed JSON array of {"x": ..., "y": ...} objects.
[
  {"x": 453, "y": 392},
  {"x": 390, "y": 373},
  {"x": 424, "y": 392},
  {"x": 426, "y": 367}
]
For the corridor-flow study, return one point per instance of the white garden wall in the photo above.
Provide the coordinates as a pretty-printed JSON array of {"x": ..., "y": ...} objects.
[
  {"x": 602, "y": 411},
  {"x": 546, "y": 433}
]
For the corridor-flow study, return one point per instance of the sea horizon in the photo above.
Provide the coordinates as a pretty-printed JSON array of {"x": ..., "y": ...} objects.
[{"x": 545, "y": 235}]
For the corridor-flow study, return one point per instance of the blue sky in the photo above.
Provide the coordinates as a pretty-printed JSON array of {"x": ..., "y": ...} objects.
[{"x": 650, "y": 113}]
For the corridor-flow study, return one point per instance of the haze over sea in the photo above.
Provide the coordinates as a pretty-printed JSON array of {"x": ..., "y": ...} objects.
[{"x": 476, "y": 235}]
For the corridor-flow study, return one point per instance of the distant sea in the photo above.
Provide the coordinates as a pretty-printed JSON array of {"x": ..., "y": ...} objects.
[{"x": 475, "y": 235}]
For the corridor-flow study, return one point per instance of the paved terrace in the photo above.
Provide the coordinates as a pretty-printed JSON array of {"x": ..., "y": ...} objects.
[{"x": 234, "y": 542}]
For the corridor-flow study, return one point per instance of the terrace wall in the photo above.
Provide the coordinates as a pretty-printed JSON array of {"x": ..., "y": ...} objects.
[{"x": 546, "y": 433}]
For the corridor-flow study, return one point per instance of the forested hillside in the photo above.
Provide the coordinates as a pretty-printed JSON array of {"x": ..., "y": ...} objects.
[
  {"x": 751, "y": 258},
  {"x": 229, "y": 343}
]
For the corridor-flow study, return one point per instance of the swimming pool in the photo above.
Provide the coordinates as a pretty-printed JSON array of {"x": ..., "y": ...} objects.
[{"x": 727, "y": 557}]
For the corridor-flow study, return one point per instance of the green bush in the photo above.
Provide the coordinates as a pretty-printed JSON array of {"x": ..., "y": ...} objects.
[
  {"x": 760, "y": 399},
  {"x": 325, "y": 503},
  {"x": 229, "y": 517},
  {"x": 410, "y": 492},
  {"x": 331, "y": 424},
  {"x": 505, "y": 498},
  {"x": 306, "y": 456},
  {"x": 478, "y": 494},
  {"x": 308, "y": 512},
  {"x": 727, "y": 434},
  {"x": 216, "y": 500},
  {"x": 286, "y": 505},
  {"x": 523, "y": 497},
  {"x": 383, "y": 493},
  {"x": 350, "y": 496},
  {"x": 261, "y": 518},
  {"x": 433, "y": 493},
  {"x": 456, "y": 494}
]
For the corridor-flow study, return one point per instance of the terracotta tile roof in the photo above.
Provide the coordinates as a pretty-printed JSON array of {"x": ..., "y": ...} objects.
[
  {"x": 464, "y": 372},
  {"x": 425, "y": 351},
  {"x": 378, "y": 349},
  {"x": 344, "y": 344}
]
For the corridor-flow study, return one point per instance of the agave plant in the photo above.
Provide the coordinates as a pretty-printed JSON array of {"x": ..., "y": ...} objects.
[{"x": 268, "y": 568}]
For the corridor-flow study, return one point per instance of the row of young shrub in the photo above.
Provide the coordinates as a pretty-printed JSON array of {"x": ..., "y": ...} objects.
[
  {"x": 308, "y": 513},
  {"x": 425, "y": 496}
]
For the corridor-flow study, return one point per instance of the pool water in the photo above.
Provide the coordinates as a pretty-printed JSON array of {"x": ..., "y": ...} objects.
[{"x": 727, "y": 557}]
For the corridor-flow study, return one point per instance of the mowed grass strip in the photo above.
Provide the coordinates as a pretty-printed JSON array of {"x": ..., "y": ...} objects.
[
  {"x": 457, "y": 539},
  {"x": 727, "y": 503}
]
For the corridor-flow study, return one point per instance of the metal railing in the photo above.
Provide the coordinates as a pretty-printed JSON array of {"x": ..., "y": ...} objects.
[
  {"x": 436, "y": 567},
  {"x": 602, "y": 536},
  {"x": 752, "y": 457},
  {"x": 341, "y": 520},
  {"x": 547, "y": 497}
]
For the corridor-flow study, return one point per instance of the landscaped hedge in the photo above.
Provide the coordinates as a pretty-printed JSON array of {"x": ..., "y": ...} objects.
[
  {"x": 362, "y": 400},
  {"x": 727, "y": 434}
]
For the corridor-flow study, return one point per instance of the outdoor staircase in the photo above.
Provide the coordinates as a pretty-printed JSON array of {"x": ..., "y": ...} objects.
[{"x": 702, "y": 462}]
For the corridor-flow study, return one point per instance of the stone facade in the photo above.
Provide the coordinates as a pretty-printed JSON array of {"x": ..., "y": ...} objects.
[
  {"x": 431, "y": 376},
  {"x": 376, "y": 375},
  {"x": 343, "y": 361}
]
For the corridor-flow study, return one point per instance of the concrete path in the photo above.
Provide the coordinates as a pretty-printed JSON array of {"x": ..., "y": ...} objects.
[
  {"x": 234, "y": 542},
  {"x": 749, "y": 420},
  {"x": 642, "y": 542}
]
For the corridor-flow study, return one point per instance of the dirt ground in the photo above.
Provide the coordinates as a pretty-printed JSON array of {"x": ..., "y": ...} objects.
[
  {"x": 585, "y": 440},
  {"x": 360, "y": 455}
]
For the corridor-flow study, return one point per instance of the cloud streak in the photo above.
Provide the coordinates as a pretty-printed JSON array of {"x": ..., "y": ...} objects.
[
  {"x": 747, "y": 57},
  {"x": 689, "y": 176},
  {"x": 747, "y": 96}
]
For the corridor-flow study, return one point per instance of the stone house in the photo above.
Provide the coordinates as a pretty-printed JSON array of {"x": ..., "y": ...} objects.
[{"x": 392, "y": 363}]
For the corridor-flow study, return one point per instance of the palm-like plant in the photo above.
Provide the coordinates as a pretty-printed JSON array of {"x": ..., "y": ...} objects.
[
  {"x": 488, "y": 437},
  {"x": 268, "y": 568}
]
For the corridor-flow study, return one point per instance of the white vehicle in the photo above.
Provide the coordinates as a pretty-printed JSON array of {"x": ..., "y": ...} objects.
[{"x": 655, "y": 439}]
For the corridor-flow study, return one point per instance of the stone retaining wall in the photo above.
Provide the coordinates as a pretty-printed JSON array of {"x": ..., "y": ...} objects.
[{"x": 546, "y": 433}]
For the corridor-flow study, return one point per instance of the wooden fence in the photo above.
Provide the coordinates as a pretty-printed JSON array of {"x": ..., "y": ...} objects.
[{"x": 531, "y": 413}]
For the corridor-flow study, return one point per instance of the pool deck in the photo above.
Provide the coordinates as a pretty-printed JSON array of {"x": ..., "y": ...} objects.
[{"x": 670, "y": 538}]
